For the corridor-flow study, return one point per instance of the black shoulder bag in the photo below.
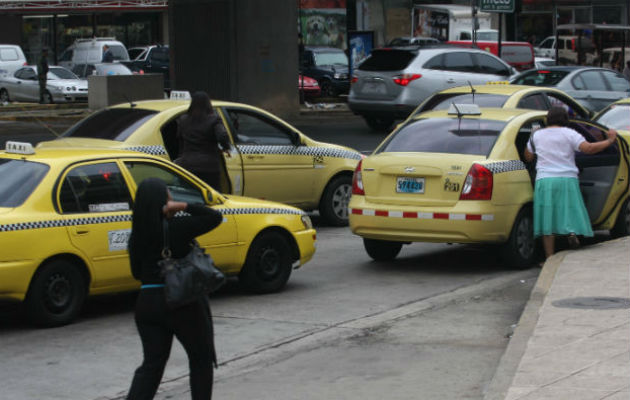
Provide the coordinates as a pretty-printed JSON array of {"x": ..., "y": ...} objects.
[
  {"x": 188, "y": 278},
  {"x": 531, "y": 165}
]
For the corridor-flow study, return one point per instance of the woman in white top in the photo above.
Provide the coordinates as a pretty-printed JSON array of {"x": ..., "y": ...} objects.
[{"x": 558, "y": 205}]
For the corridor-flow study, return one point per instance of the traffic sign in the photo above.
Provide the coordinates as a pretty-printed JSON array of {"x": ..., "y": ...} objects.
[{"x": 497, "y": 6}]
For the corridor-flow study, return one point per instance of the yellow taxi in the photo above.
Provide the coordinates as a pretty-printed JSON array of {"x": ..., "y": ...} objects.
[
  {"x": 271, "y": 159},
  {"x": 504, "y": 95},
  {"x": 65, "y": 218},
  {"x": 616, "y": 115},
  {"x": 458, "y": 176}
]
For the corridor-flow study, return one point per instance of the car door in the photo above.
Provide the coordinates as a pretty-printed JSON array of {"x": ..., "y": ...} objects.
[
  {"x": 591, "y": 89},
  {"x": 30, "y": 85},
  {"x": 618, "y": 85},
  {"x": 221, "y": 241},
  {"x": 18, "y": 86},
  {"x": 459, "y": 68},
  {"x": 276, "y": 164},
  {"x": 95, "y": 202}
]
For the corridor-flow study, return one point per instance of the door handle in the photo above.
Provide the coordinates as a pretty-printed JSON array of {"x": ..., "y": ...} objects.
[
  {"x": 255, "y": 157},
  {"x": 81, "y": 231},
  {"x": 450, "y": 81}
]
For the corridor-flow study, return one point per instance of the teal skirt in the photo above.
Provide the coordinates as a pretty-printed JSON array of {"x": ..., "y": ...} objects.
[{"x": 559, "y": 208}]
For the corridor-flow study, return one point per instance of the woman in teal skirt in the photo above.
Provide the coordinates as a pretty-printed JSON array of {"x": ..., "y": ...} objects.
[{"x": 558, "y": 205}]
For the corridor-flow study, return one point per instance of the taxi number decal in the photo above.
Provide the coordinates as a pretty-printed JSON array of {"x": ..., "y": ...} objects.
[
  {"x": 118, "y": 239},
  {"x": 318, "y": 159},
  {"x": 106, "y": 207},
  {"x": 451, "y": 186}
]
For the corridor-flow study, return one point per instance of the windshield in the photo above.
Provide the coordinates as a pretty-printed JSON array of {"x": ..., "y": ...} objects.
[
  {"x": 540, "y": 78},
  {"x": 113, "y": 124},
  {"x": 331, "y": 59},
  {"x": 388, "y": 60},
  {"x": 135, "y": 53},
  {"x": 443, "y": 100},
  {"x": 616, "y": 117},
  {"x": 60, "y": 73},
  {"x": 445, "y": 135},
  {"x": 490, "y": 36},
  {"x": 18, "y": 179}
]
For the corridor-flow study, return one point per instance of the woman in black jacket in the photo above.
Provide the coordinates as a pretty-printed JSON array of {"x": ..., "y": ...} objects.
[
  {"x": 200, "y": 132},
  {"x": 191, "y": 324}
]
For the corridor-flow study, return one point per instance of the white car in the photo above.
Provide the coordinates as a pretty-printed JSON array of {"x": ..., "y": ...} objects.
[
  {"x": 62, "y": 86},
  {"x": 544, "y": 62},
  {"x": 11, "y": 58}
]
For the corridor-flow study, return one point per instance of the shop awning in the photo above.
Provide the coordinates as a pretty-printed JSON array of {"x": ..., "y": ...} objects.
[{"x": 83, "y": 5}]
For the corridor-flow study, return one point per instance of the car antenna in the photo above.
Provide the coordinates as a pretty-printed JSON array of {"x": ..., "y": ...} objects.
[
  {"x": 472, "y": 90},
  {"x": 459, "y": 116},
  {"x": 131, "y": 103}
]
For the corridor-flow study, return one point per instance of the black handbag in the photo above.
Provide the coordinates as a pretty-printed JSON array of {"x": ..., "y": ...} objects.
[
  {"x": 188, "y": 278},
  {"x": 531, "y": 165}
]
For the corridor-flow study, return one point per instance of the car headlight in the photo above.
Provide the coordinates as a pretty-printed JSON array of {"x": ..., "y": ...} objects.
[
  {"x": 57, "y": 88},
  {"x": 306, "y": 220},
  {"x": 341, "y": 75}
]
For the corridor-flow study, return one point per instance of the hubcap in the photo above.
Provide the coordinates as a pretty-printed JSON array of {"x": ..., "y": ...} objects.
[
  {"x": 340, "y": 201},
  {"x": 269, "y": 263},
  {"x": 58, "y": 292},
  {"x": 524, "y": 240}
]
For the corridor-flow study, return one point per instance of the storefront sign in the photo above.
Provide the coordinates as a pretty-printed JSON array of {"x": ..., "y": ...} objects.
[{"x": 497, "y": 6}]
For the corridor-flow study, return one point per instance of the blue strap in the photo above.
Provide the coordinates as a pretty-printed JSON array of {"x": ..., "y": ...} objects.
[{"x": 152, "y": 285}]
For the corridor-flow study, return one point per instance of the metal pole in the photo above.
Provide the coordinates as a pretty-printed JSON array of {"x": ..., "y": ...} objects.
[
  {"x": 555, "y": 29},
  {"x": 500, "y": 32}
]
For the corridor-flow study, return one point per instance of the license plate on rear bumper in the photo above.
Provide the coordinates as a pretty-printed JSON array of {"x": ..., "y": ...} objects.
[{"x": 409, "y": 185}]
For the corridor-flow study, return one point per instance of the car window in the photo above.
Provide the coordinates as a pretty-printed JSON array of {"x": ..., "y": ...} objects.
[
  {"x": 589, "y": 80},
  {"x": 181, "y": 189},
  {"x": 254, "y": 129},
  {"x": 18, "y": 179},
  {"x": 524, "y": 134},
  {"x": 159, "y": 55},
  {"x": 573, "y": 109},
  {"x": 616, "y": 117},
  {"x": 616, "y": 81},
  {"x": 19, "y": 73},
  {"x": 442, "y": 101},
  {"x": 459, "y": 61},
  {"x": 60, "y": 73},
  {"x": 66, "y": 55},
  {"x": 436, "y": 62},
  {"x": 119, "y": 52},
  {"x": 94, "y": 188},
  {"x": 8, "y": 54},
  {"x": 540, "y": 77},
  {"x": 26, "y": 74},
  {"x": 113, "y": 124},
  {"x": 546, "y": 44},
  {"x": 445, "y": 135},
  {"x": 388, "y": 60},
  {"x": 490, "y": 65},
  {"x": 138, "y": 53},
  {"x": 534, "y": 102}
]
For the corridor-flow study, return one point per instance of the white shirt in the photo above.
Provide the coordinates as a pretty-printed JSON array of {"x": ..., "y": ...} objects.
[{"x": 555, "y": 148}]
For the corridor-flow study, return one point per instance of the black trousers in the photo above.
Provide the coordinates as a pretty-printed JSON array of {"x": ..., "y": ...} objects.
[{"x": 157, "y": 324}]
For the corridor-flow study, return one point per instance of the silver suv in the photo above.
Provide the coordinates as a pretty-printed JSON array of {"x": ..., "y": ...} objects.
[{"x": 391, "y": 82}]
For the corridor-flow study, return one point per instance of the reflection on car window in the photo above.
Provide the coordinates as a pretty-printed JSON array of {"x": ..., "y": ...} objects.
[
  {"x": 616, "y": 117},
  {"x": 253, "y": 129},
  {"x": 445, "y": 135},
  {"x": 60, "y": 73},
  {"x": 113, "y": 124},
  {"x": 459, "y": 61},
  {"x": 179, "y": 187},
  {"x": 540, "y": 78},
  {"x": 490, "y": 65},
  {"x": 533, "y": 102},
  {"x": 616, "y": 81},
  {"x": 94, "y": 188},
  {"x": 589, "y": 80},
  {"x": 18, "y": 179}
]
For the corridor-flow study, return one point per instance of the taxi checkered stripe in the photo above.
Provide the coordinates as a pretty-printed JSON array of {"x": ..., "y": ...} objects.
[
  {"x": 422, "y": 215},
  {"x": 259, "y": 210},
  {"x": 300, "y": 151},
  {"x": 505, "y": 166},
  {"x": 154, "y": 150},
  {"x": 61, "y": 223}
]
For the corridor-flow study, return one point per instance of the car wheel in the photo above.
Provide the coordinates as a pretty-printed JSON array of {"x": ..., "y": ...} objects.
[
  {"x": 56, "y": 294},
  {"x": 520, "y": 249},
  {"x": 622, "y": 225},
  {"x": 268, "y": 264},
  {"x": 379, "y": 123},
  {"x": 382, "y": 250},
  {"x": 333, "y": 206},
  {"x": 327, "y": 89},
  {"x": 4, "y": 96}
]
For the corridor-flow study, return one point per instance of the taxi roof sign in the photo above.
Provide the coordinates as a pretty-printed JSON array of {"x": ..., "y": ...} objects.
[
  {"x": 180, "y": 95},
  {"x": 464, "y": 109},
  {"x": 19, "y": 148}
]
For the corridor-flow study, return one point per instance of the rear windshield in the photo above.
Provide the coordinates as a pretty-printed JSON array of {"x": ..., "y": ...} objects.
[
  {"x": 387, "y": 60},
  {"x": 541, "y": 77},
  {"x": 113, "y": 124},
  {"x": 445, "y": 135},
  {"x": 18, "y": 179},
  {"x": 443, "y": 100}
]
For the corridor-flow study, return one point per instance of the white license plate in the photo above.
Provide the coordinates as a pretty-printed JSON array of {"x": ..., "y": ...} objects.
[
  {"x": 374, "y": 87},
  {"x": 409, "y": 185}
]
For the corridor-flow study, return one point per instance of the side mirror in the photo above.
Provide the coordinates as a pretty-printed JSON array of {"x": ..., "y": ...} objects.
[
  {"x": 207, "y": 196},
  {"x": 296, "y": 139}
]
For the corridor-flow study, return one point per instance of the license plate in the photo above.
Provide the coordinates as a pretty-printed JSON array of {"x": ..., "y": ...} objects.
[
  {"x": 409, "y": 185},
  {"x": 374, "y": 87}
]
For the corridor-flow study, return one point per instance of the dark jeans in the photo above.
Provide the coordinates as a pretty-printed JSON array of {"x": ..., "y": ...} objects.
[{"x": 157, "y": 324}]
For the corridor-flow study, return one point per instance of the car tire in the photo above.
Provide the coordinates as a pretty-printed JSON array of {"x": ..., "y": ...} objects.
[
  {"x": 4, "y": 96},
  {"x": 56, "y": 294},
  {"x": 268, "y": 264},
  {"x": 379, "y": 124},
  {"x": 333, "y": 206},
  {"x": 520, "y": 251},
  {"x": 328, "y": 90},
  {"x": 382, "y": 250},
  {"x": 622, "y": 224}
]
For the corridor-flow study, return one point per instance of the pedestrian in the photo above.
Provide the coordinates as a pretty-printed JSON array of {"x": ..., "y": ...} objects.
[
  {"x": 108, "y": 56},
  {"x": 558, "y": 205},
  {"x": 626, "y": 70},
  {"x": 191, "y": 324},
  {"x": 200, "y": 132},
  {"x": 42, "y": 72}
]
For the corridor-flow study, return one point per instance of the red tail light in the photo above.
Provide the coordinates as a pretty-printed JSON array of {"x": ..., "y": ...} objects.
[
  {"x": 404, "y": 79},
  {"x": 354, "y": 79},
  {"x": 478, "y": 184},
  {"x": 357, "y": 180}
]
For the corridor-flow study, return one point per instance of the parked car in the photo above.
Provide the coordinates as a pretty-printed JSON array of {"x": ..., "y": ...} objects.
[
  {"x": 11, "y": 58},
  {"x": 544, "y": 62},
  {"x": 309, "y": 87},
  {"x": 567, "y": 49},
  {"x": 85, "y": 70},
  {"x": 612, "y": 53},
  {"x": 270, "y": 159},
  {"x": 392, "y": 82},
  {"x": 62, "y": 86},
  {"x": 75, "y": 205},
  {"x": 520, "y": 55},
  {"x": 151, "y": 60},
  {"x": 329, "y": 66},
  {"x": 90, "y": 51},
  {"x": 458, "y": 176},
  {"x": 616, "y": 115},
  {"x": 593, "y": 87},
  {"x": 413, "y": 41}
]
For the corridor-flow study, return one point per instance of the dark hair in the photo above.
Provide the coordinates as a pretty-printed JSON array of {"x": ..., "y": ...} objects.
[
  {"x": 199, "y": 105},
  {"x": 146, "y": 225},
  {"x": 557, "y": 116}
]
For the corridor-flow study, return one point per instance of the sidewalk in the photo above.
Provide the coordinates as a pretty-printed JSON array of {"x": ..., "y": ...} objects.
[{"x": 573, "y": 339}]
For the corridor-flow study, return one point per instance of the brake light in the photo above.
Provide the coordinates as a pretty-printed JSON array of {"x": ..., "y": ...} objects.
[
  {"x": 478, "y": 184},
  {"x": 573, "y": 44},
  {"x": 357, "y": 180},
  {"x": 354, "y": 79},
  {"x": 404, "y": 79},
  {"x": 543, "y": 72}
]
